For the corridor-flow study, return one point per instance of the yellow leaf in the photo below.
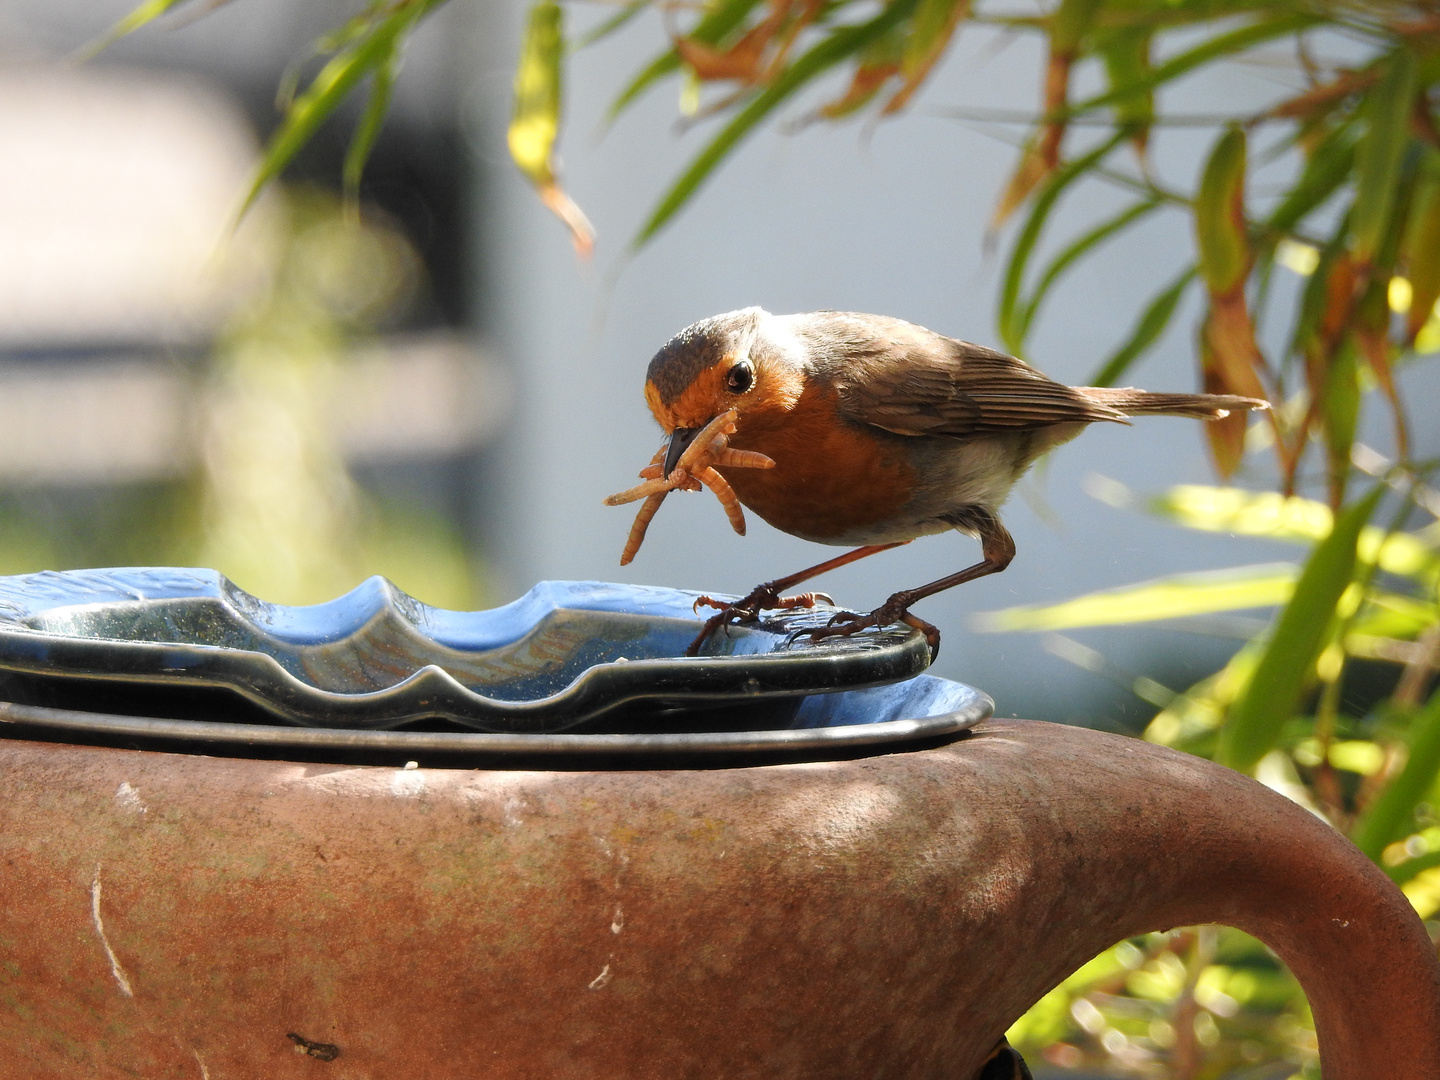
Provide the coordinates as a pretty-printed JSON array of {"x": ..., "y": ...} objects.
[
  {"x": 535, "y": 122},
  {"x": 1166, "y": 598}
]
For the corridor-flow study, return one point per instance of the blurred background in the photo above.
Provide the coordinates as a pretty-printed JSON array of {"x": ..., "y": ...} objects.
[{"x": 444, "y": 394}]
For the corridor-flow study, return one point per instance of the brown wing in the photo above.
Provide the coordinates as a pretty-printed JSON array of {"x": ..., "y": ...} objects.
[{"x": 906, "y": 379}]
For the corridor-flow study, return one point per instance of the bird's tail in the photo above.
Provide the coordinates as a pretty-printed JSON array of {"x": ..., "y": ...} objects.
[{"x": 1134, "y": 402}]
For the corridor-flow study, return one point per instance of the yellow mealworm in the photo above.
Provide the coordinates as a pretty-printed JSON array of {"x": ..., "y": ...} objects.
[
  {"x": 710, "y": 447},
  {"x": 744, "y": 459},
  {"x": 639, "y": 491},
  {"x": 647, "y": 511},
  {"x": 726, "y": 494}
]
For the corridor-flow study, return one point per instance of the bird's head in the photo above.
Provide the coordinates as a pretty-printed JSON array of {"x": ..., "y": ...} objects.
[{"x": 742, "y": 360}]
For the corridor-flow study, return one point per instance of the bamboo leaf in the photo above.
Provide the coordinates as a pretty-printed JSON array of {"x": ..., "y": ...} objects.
[
  {"x": 139, "y": 16},
  {"x": 718, "y": 22},
  {"x": 1009, "y": 312},
  {"x": 1086, "y": 243},
  {"x": 930, "y": 32},
  {"x": 1070, "y": 22},
  {"x": 535, "y": 122},
  {"x": 875, "y": 66},
  {"x": 1273, "y": 696},
  {"x": 1279, "y": 517},
  {"x": 612, "y": 24},
  {"x": 1222, "y": 45},
  {"x": 329, "y": 88},
  {"x": 1151, "y": 324},
  {"x": 1392, "y": 813},
  {"x": 1127, "y": 64},
  {"x": 362, "y": 142},
  {"x": 1174, "y": 597},
  {"x": 841, "y": 43},
  {"x": 1421, "y": 248},
  {"x": 1388, "y": 108},
  {"x": 1220, "y": 215},
  {"x": 352, "y": 29},
  {"x": 1324, "y": 173}
]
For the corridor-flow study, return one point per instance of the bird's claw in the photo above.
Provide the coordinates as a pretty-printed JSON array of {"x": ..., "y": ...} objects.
[
  {"x": 748, "y": 609},
  {"x": 846, "y": 623}
]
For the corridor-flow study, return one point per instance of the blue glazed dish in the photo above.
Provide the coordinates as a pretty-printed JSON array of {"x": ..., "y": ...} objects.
[{"x": 565, "y": 655}]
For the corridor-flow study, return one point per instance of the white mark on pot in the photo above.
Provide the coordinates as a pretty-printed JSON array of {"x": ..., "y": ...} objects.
[
  {"x": 598, "y": 983},
  {"x": 204, "y": 1072},
  {"x": 115, "y": 968},
  {"x": 1342, "y": 923},
  {"x": 128, "y": 799},
  {"x": 618, "y": 922},
  {"x": 511, "y": 811},
  {"x": 407, "y": 784}
]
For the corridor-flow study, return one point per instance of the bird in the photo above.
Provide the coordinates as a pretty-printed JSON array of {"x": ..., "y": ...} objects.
[{"x": 851, "y": 429}]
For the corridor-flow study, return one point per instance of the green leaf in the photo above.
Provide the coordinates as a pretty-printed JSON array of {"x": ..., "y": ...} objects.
[
  {"x": 1220, "y": 215},
  {"x": 1152, "y": 323},
  {"x": 1421, "y": 247},
  {"x": 362, "y": 142},
  {"x": 841, "y": 43},
  {"x": 139, "y": 16},
  {"x": 1070, "y": 22},
  {"x": 329, "y": 88},
  {"x": 718, "y": 22},
  {"x": 1273, "y": 696},
  {"x": 1222, "y": 45},
  {"x": 612, "y": 24},
  {"x": 1391, "y": 815},
  {"x": 1388, "y": 108},
  {"x": 1127, "y": 64},
  {"x": 1050, "y": 192},
  {"x": 1174, "y": 597},
  {"x": 1324, "y": 173},
  {"x": 1086, "y": 243}
]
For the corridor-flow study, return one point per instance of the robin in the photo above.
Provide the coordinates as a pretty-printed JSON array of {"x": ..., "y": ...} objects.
[{"x": 864, "y": 430}]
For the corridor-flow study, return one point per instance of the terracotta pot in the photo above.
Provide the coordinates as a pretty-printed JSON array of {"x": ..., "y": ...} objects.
[{"x": 179, "y": 916}]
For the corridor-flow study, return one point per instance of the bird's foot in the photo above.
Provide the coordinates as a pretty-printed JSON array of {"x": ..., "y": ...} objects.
[
  {"x": 747, "y": 609},
  {"x": 893, "y": 611}
]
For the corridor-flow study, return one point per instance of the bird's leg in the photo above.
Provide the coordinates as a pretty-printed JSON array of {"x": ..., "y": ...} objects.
[
  {"x": 767, "y": 597},
  {"x": 997, "y": 547}
]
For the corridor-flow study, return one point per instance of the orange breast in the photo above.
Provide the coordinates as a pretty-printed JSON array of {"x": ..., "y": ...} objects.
[{"x": 830, "y": 477}]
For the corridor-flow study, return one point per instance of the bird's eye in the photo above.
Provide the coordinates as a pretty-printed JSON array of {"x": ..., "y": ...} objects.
[{"x": 740, "y": 378}]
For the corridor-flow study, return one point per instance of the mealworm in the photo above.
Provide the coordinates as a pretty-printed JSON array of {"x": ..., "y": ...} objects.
[
  {"x": 695, "y": 467},
  {"x": 642, "y": 522},
  {"x": 726, "y": 494}
]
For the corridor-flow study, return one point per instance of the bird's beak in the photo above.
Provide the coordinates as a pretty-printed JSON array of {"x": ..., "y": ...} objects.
[{"x": 680, "y": 439}]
